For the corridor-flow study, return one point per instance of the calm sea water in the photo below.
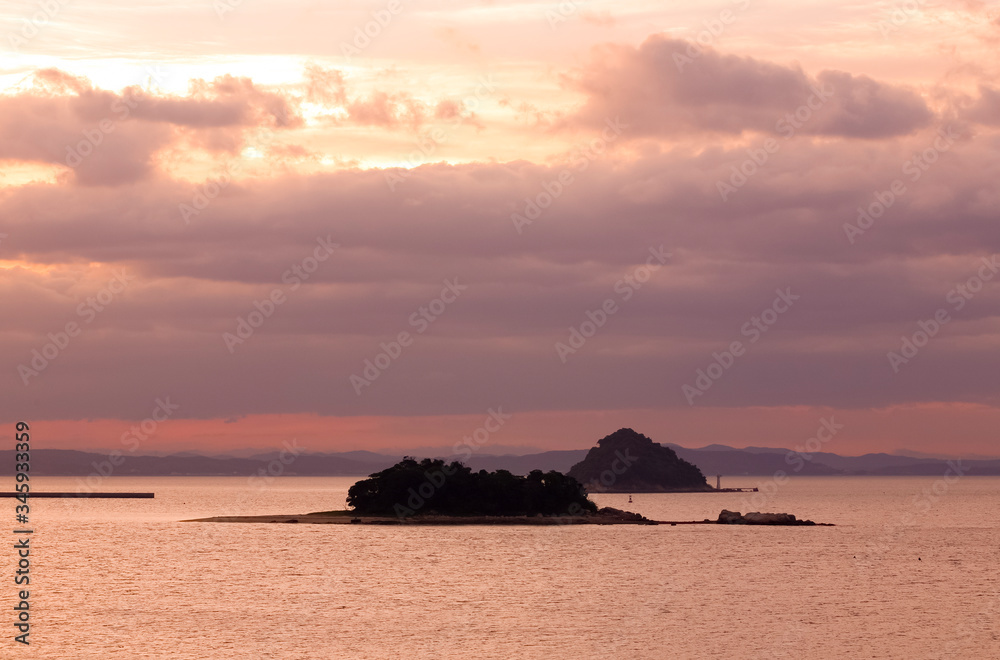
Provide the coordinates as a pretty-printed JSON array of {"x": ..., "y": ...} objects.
[{"x": 910, "y": 571}]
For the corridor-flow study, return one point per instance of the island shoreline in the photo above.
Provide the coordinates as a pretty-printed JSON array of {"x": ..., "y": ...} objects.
[{"x": 349, "y": 518}]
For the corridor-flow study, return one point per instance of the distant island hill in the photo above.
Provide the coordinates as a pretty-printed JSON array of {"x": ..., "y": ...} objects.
[
  {"x": 805, "y": 459},
  {"x": 629, "y": 462}
]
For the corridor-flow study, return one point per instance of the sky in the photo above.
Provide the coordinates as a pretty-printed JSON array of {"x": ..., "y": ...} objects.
[{"x": 367, "y": 225}]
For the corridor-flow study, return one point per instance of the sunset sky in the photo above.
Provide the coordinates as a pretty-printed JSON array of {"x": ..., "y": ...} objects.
[{"x": 236, "y": 206}]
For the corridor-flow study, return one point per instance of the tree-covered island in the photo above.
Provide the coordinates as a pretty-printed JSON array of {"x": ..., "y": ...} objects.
[
  {"x": 434, "y": 487},
  {"x": 434, "y": 492}
]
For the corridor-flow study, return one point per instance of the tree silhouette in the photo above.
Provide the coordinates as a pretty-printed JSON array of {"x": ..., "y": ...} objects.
[{"x": 434, "y": 486}]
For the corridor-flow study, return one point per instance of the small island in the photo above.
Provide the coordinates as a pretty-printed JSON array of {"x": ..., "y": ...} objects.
[
  {"x": 433, "y": 492},
  {"x": 434, "y": 487},
  {"x": 628, "y": 462}
]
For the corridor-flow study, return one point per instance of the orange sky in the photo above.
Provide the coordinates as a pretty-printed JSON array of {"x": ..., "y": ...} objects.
[
  {"x": 917, "y": 428},
  {"x": 570, "y": 210}
]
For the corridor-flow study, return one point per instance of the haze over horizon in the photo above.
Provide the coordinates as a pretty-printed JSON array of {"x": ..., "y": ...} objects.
[
  {"x": 719, "y": 222},
  {"x": 448, "y": 452}
]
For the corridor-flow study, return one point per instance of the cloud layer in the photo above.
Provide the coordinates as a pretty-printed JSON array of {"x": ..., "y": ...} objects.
[{"x": 224, "y": 246}]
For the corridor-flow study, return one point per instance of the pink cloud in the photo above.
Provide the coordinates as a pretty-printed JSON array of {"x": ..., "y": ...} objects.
[
  {"x": 387, "y": 110},
  {"x": 108, "y": 138},
  {"x": 668, "y": 87}
]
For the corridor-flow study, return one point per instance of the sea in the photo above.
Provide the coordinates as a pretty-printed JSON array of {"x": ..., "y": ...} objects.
[{"x": 911, "y": 569}]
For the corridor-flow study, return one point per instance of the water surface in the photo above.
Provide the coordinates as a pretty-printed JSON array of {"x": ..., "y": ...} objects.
[{"x": 910, "y": 571}]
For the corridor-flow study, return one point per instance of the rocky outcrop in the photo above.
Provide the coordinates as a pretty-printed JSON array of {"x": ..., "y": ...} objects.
[
  {"x": 727, "y": 517},
  {"x": 629, "y": 462},
  {"x": 619, "y": 515}
]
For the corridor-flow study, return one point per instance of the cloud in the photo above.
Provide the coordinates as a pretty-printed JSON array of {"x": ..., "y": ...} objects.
[
  {"x": 325, "y": 86},
  {"x": 985, "y": 109},
  {"x": 668, "y": 87},
  {"x": 67, "y": 130},
  {"x": 112, "y": 138},
  {"x": 108, "y": 138},
  {"x": 227, "y": 101},
  {"x": 387, "y": 110},
  {"x": 783, "y": 229}
]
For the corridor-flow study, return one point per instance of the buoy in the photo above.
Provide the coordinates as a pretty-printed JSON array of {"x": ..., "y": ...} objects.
[{"x": 630, "y": 498}]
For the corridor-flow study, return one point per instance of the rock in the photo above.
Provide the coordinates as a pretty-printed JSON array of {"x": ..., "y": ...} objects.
[
  {"x": 629, "y": 462},
  {"x": 757, "y": 518},
  {"x": 729, "y": 517},
  {"x": 618, "y": 514}
]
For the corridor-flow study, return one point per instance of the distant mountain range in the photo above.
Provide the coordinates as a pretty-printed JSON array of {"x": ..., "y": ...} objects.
[{"x": 713, "y": 460}]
